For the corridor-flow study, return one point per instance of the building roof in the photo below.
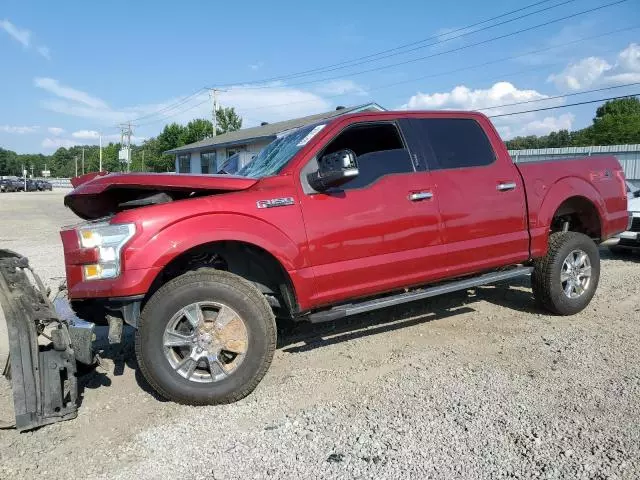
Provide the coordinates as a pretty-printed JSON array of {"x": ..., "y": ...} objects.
[{"x": 268, "y": 131}]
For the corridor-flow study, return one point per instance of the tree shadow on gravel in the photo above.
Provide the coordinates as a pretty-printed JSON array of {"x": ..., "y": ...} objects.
[
  {"x": 116, "y": 358},
  {"x": 509, "y": 295},
  {"x": 629, "y": 256}
]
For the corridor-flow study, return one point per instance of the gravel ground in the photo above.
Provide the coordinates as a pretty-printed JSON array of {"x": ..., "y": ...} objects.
[{"x": 479, "y": 384}]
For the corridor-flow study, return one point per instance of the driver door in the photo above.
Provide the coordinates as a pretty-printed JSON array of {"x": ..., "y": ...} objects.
[{"x": 379, "y": 231}]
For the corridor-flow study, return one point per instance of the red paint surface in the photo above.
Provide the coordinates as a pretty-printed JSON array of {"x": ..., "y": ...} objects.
[{"x": 338, "y": 247}]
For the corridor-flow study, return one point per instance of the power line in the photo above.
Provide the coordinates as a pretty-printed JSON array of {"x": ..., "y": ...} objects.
[
  {"x": 468, "y": 67},
  {"x": 566, "y": 106},
  {"x": 400, "y": 47},
  {"x": 437, "y": 54},
  {"x": 556, "y": 97},
  {"x": 173, "y": 114},
  {"x": 170, "y": 107},
  {"x": 381, "y": 55},
  {"x": 432, "y": 75},
  {"x": 166, "y": 109}
]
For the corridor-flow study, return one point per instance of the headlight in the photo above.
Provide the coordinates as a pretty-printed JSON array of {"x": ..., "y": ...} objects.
[{"x": 108, "y": 239}]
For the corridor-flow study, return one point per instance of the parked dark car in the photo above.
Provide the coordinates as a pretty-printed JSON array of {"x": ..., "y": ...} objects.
[
  {"x": 43, "y": 185},
  {"x": 7, "y": 185},
  {"x": 30, "y": 185},
  {"x": 10, "y": 185}
]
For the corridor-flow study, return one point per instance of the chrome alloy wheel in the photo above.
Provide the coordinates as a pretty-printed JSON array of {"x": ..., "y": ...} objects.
[
  {"x": 575, "y": 275},
  {"x": 205, "y": 342}
]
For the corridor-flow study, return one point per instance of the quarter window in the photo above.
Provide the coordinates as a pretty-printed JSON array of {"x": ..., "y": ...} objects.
[
  {"x": 379, "y": 151},
  {"x": 454, "y": 143}
]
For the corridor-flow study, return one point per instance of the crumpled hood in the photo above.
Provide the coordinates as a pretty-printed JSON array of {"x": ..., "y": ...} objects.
[{"x": 97, "y": 196}]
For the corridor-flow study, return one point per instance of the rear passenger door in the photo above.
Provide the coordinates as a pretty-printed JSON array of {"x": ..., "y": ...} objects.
[
  {"x": 480, "y": 195},
  {"x": 379, "y": 231}
]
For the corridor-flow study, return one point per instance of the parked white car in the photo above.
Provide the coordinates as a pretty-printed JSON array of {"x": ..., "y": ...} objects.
[{"x": 631, "y": 238}]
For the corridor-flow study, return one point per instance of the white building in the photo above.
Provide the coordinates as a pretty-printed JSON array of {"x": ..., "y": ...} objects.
[{"x": 234, "y": 149}]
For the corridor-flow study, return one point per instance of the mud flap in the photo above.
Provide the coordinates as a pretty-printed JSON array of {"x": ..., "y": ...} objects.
[{"x": 41, "y": 355}]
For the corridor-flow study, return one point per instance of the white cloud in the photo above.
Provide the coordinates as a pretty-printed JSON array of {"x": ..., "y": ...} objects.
[
  {"x": 86, "y": 134},
  {"x": 582, "y": 74},
  {"x": 256, "y": 66},
  {"x": 51, "y": 143},
  {"x": 341, "y": 87},
  {"x": 464, "y": 98},
  {"x": 19, "y": 130},
  {"x": 57, "y": 131},
  {"x": 497, "y": 100},
  {"x": 86, "y": 137},
  {"x": 595, "y": 71},
  {"x": 21, "y": 35},
  {"x": 24, "y": 37},
  {"x": 629, "y": 58},
  {"x": 53, "y": 86},
  {"x": 44, "y": 51},
  {"x": 277, "y": 102},
  {"x": 510, "y": 127}
]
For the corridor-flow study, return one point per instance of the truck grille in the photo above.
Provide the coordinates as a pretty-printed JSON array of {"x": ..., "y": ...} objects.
[{"x": 635, "y": 224}]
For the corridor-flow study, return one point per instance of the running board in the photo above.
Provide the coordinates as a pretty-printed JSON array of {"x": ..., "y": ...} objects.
[{"x": 368, "y": 305}]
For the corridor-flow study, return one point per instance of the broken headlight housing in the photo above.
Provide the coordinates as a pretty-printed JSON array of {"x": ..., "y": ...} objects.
[{"x": 107, "y": 240}]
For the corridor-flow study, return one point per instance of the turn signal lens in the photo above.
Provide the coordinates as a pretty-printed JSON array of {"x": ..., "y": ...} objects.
[{"x": 92, "y": 272}]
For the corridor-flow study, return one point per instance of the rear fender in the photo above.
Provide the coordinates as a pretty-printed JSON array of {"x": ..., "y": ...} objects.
[{"x": 544, "y": 203}]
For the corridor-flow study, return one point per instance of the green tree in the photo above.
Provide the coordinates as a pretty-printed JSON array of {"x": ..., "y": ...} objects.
[
  {"x": 171, "y": 137},
  {"x": 617, "y": 122},
  {"x": 197, "y": 130},
  {"x": 228, "y": 120}
]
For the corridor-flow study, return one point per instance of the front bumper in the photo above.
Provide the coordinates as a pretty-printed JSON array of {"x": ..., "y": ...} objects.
[{"x": 42, "y": 347}]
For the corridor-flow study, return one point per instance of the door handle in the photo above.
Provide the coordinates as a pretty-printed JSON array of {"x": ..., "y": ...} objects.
[
  {"x": 417, "y": 196},
  {"x": 506, "y": 186}
]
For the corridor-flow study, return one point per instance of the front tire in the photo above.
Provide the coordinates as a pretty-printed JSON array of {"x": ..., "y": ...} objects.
[
  {"x": 205, "y": 338},
  {"x": 565, "y": 280}
]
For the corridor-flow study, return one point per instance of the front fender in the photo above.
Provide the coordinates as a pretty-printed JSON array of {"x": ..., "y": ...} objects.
[{"x": 175, "y": 239}]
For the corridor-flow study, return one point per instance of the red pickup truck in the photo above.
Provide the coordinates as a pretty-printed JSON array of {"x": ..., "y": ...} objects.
[{"x": 348, "y": 215}]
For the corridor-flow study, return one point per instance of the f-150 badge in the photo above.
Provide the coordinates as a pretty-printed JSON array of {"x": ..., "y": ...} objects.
[{"x": 275, "y": 202}]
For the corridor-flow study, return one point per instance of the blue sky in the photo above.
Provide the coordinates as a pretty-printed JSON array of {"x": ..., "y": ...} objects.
[{"x": 75, "y": 68}]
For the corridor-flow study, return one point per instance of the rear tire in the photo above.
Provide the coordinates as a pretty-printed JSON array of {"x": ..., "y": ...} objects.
[
  {"x": 559, "y": 280},
  {"x": 190, "y": 373}
]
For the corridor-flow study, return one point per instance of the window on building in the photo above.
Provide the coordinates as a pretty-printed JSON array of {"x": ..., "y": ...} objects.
[
  {"x": 184, "y": 163},
  {"x": 232, "y": 151},
  {"x": 455, "y": 143},
  {"x": 208, "y": 162},
  {"x": 379, "y": 150}
]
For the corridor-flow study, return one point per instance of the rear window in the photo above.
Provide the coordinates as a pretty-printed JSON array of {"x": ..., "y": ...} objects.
[{"x": 454, "y": 143}]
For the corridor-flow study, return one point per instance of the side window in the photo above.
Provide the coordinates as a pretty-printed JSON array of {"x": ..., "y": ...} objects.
[
  {"x": 379, "y": 150},
  {"x": 454, "y": 143}
]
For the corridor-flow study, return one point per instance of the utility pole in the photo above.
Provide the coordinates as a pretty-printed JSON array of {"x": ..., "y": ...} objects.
[
  {"x": 83, "y": 160},
  {"x": 76, "y": 159},
  {"x": 213, "y": 94},
  {"x": 143, "y": 160},
  {"x": 31, "y": 171},
  {"x": 100, "y": 152},
  {"x": 125, "y": 144}
]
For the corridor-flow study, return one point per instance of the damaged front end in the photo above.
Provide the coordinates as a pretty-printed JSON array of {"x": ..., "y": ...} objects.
[{"x": 38, "y": 348}]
